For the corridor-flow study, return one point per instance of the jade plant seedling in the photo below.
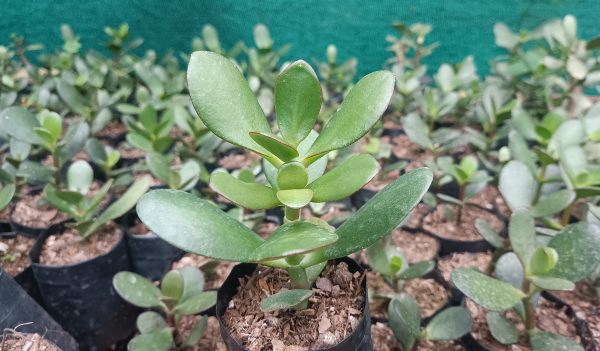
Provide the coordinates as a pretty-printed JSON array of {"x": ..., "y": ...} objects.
[
  {"x": 294, "y": 163},
  {"x": 83, "y": 207},
  {"x": 467, "y": 175},
  {"x": 405, "y": 320},
  {"x": 102, "y": 155},
  {"x": 150, "y": 132},
  {"x": 183, "y": 176},
  {"x": 180, "y": 294},
  {"x": 535, "y": 264}
]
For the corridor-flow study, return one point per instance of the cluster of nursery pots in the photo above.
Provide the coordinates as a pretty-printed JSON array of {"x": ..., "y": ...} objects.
[{"x": 443, "y": 210}]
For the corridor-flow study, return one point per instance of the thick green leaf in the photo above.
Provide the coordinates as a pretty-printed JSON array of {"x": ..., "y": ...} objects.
[
  {"x": 158, "y": 340},
  {"x": 6, "y": 195},
  {"x": 551, "y": 283},
  {"x": 488, "y": 233},
  {"x": 197, "y": 332},
  {"x": 405, "y": 320},
  {"x": 20, "y": 123},
  {"x": 450, "y": 324},
  {"x": 74, "y": 140},
  {"x": 34, "y": 172},
  {"x": 58, "y": 202},
  {"x": 292, "y": 175},
  {"x": 294, "y": 238},
  {"x": 276, "y": 146},
  {"x": 51, "y": 122},
  {"x": 345, "y": 179},
  {"x": 517, "y": 185},
  {"x": 298, "y": 100},
  {"x": 509, "y": 269},
  {"x": 284, "y": 299},
  {"x": 553, "y": 203},
  {"x": 417, "y": 130},
  {"x": 295, "y": 198},
  {"x": 417, "y": 270},
  {"x": 80, "y": 176},
  {"x": 150, "y": 321},
  {"x": 224, "y": 101},
  {"x": 578, "y": 248},
  {"x": 381, "y": 253},
  {"x": 118, "y": 208},
  {"x": 193, "y": 281},
  {"x": 194, "y": 225},
  {"x": 96, "y": 150},
  {"x": 542, "y": 260},
  {"x": 360, "y": 110},
  {"x": 541, "y": 341},
  {"x": 171, "y": 285},
  {"x": 253, "y": 196},
  {"x": 196, "y": 303},
  {"x": 72, "y": 98},
  {"x": 137, "y": 290},
  {"x": 159, "y": 165},
  {"x": 382, "y": 213},
  {"x": 138, "y": 141},
  {"x": 492, "y": 294},
  {"x": 502, "y": 329},
  {"x": 521, "y": 232}
]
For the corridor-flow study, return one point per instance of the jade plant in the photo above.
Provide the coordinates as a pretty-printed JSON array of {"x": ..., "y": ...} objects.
[
  {"x": 180, "y": 294},
  {"x": 183, "y": 176},
  {"x": 294, "y": 163},
  {"x": 537, "y": 262},
  {"x": 405, "y": 320},
  {"x": 84, "y": 206},
  {"x": 150, "y": 132},
  {"x": 104, "y": 156}
]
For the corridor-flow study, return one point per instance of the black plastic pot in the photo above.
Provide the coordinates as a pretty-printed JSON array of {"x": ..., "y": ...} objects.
[
  {"x": 81, "y": 297},
  {"x": 151, "y": 256},
  {"x": 359, "y": 340},
  {"x": 360, "y": 198},
  {"x": 18, "y": 309},
  {"x": 6, "y": 230}
]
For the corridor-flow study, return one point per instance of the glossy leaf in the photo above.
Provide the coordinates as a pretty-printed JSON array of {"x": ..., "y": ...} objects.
[
  {"x": 381, "y": 253},
  {"x": 292, "y": 175},
  {"x": 285, "y": 299},
  {"x": 80, "y": 176},
  {"x": 345, "y": 179},
  {"x": 196, "y": 303},
  {"x": 295, "y": 198},
  {"x": 551, "y": 283},
  {"x": 20, "y": 123},
  {"x": 193, "y": 281},
  {"x": 382, "y": 213},
  {"x": 517, "y": 185},
  {"x": 553, "y": 203},
  {"x": 542, "y": 260},
  {"x": 298, "y": 100},
  {"x": 190, "y": 223},
  {"x": 578, "y": 248},
  {"x": 405, "y": 320},
  {"x": 521, "y": 232},
  {"x": 501, "y": 328},
  {"x": 360, "y": 110},
  {"x": 253, "y": 196},
  {"x": 450, "y": 324},
  {"x": 137, "y": 290},
  {"x": 542, "y": 341},
  {"x": 294, "y": 238},
  {"x": 224, "y": 101},
  {"x": 276, "y": 146},
  {"x": 118, "y": 208},
  {"x": 171, "y": 285},
  {"x": 492, "y": 294}
]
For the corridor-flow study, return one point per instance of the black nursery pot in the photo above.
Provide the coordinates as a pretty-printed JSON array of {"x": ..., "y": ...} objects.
[
  {"x": 17, "y": 308},
  {"x": 81, "y": 297},
  {"x": 359, "y": 340}
]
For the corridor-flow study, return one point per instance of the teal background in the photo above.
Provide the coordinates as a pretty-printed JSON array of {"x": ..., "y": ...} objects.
[{"x": 357, "y": 27}]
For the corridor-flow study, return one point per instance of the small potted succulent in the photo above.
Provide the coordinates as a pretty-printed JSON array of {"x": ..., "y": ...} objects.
[{"x": 301, "y": 253}]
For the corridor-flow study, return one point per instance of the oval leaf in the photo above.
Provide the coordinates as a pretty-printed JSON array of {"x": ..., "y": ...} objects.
[
  {"x": 253, "y": 196},
  {"x": 150, "y": 321},
  {"x": 159, "y": 340},
  {"x": 360, "y": 110},
  {"x": 20, "y": 123},
  {"x": 405, "y": 320},
  {"x": 284, "y": 300},
  {"x": 542, "y": 341},
  {"x": 295, "y": 198},
  {"x": 578, "y": 248},
  {"x": 382, "y": 213},
  {"x": 276, "y": 146},
  {"x": 488, "y": 292},
  {"x": 521, "y": 232},
  {"x": 551, "y": 283},
  {"x": 171, "y": 285},
  {"x": 298, "y": 98},
  {"x": 224, "y": 101},
  {"x": 345, "y": 179},
  {"x": 194, "y": 225},
  {"x": 517, "y": 185},
  {"x": 502, "y": 329},
  {"x": 450, "y": 324},
  {"x": 137, "y": 290},
  {"x": 554, "y": 203},
  {"x": 292, "y": 175},
  {"x": 196, "y": 303},
  {"x": 294, "y": 238}
]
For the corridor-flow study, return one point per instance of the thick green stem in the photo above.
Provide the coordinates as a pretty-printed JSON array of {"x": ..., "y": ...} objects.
[
  {"x": 56, "y": 163},
  {"x": 292, "y": 214},
  {"x": 528, "y": 304},
  {"x": 540, "y": 183},
  {"x": 461, "y": 198},
  {"x": 566, "y": 215},
  {"x": 299, "y": 280}
]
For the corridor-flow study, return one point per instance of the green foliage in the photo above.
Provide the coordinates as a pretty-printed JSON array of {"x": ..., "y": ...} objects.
[
  {"x": 150, "y": 132},
  {"x": 180, "y": 294}
]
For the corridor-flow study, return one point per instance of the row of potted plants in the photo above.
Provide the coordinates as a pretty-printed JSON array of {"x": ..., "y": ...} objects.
[{"x": 513, "y": 193}]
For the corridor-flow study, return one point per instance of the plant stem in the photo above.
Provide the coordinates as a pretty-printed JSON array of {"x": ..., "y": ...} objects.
[
  {"x": 566, "y": 215},
  {"x": 299, "y": 280},
  {"x": 540, "y": 183},
  {"x": 528, "y": 304},
  {"x": 461, "y": 198},
  {"x": 56, "y": 163},
  {"x": 292, "y": 214}
]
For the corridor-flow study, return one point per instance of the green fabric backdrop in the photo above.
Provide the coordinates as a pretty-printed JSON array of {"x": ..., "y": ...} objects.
[{"x": 357, "y": 27}]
